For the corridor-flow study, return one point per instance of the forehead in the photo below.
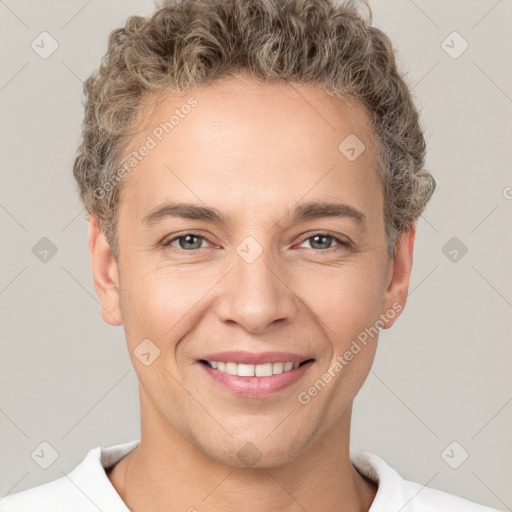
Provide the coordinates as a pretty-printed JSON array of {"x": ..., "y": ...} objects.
[
  {"x": 237, "y": 141},
  {"x": 243, "y": 107}
]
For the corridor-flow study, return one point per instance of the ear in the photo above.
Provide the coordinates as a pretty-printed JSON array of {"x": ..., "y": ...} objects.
[
  {"x": 400, "y": 267},
  {"x": 105, "y": 273}
]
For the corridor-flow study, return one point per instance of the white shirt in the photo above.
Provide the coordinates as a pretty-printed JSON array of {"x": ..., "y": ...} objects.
[{"x": 87, "y": 488}]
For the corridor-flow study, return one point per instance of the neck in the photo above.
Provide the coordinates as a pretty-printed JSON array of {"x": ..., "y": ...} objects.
[{"x": 168, "y": 472}]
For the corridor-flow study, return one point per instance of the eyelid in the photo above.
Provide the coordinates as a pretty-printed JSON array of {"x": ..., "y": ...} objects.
[
  {"x": 342, "y": 242},
  {"x": 166, "y": 241}
]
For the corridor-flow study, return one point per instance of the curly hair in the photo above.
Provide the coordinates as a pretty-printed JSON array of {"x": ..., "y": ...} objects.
[{"x": 188, "y": 43}]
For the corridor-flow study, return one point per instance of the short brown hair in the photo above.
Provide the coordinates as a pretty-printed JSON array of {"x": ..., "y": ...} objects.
[{"x": 187, "y": 43}]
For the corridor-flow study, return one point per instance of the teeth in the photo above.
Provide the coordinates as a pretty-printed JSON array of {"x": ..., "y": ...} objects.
[
  {"x": 245, "y": 370},
  {"x": 231, "y": 368},
  {"x": 253, "y": 370},
  {"x": 263, "y": 370},
  {"x": 277, "y": 368}
]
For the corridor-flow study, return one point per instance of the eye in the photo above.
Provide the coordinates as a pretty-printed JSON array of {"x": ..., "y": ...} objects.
[
  {"x": 187, "y": 242},
  {"x": 323, "y": 241}
]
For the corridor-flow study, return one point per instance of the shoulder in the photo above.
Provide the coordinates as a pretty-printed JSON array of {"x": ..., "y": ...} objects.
[
  {"x": 56, "y": 496},
  {"x": 396, "y": 493},
  {"x": 84, "y": 489}
]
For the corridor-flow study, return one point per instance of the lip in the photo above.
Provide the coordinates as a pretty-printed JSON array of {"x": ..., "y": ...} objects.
[
  {"x": 244, "y": 357},
  {"x": 255, "y": 387}
]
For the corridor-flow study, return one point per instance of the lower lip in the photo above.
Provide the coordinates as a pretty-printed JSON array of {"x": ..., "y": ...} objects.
[{"x": 256, "y": 387}]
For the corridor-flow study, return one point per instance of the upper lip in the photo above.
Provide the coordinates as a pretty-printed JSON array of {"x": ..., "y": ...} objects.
[{"x": 244, "y": 357}]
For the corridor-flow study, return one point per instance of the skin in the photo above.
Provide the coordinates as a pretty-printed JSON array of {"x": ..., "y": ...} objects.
[{"x": 252, "y": 152}]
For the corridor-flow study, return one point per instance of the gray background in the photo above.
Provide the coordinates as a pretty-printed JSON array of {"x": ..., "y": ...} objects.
[{"x": 442, "y": 373}]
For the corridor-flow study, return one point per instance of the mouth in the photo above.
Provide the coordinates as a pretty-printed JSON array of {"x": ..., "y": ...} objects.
[
  {"x": 254, "y": 370},
  {"x": 254, "y": 375}
]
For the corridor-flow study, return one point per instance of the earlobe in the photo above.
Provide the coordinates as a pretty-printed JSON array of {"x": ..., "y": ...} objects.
[
  {"x": 398, "y": 280},
  {"x": 105, "y": 274}
]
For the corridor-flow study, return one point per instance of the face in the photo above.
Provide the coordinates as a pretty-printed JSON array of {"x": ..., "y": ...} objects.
[{"x": 249, "y": 239}]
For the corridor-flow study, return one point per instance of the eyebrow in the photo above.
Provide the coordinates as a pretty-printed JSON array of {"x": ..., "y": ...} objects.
[{"x": 303, "y": 211}]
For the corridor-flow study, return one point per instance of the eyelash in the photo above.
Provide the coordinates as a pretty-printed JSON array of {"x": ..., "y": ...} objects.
[{"x": 342, "y": 243}]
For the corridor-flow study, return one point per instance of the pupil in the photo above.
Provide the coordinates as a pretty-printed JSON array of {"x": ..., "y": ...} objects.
[
  {"x": 188, "y": 240},
  {"x": 324, "y": 237}
]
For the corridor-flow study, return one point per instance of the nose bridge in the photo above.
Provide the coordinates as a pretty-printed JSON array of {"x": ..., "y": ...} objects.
[{"x": 256, "y": 295}]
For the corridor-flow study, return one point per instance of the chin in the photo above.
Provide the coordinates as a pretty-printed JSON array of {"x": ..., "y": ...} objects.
[{"x": 256, "y": 452}]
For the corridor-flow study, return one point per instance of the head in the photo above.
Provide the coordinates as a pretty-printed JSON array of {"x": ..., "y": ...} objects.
[{"x": 253, "y": 173}]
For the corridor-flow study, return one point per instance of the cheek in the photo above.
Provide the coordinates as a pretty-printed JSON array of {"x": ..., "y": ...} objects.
[
  {"x": 150, "y": 306},
  {"x": 344, "y": 300},
  {"x": 161, "y": 304},
  {"x": 156, "y": 307}
]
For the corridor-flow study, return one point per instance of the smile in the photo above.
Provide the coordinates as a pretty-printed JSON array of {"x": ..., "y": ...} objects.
[
  {"x": 252, "y": 375},
  {"x": 253, "y": 370}
]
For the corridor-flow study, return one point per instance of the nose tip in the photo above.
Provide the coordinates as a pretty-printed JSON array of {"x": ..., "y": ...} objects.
[{"x": 256, "y": 296}]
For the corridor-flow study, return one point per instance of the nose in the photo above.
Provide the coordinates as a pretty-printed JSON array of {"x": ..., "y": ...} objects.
[{"x": 256, "y": 295}]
